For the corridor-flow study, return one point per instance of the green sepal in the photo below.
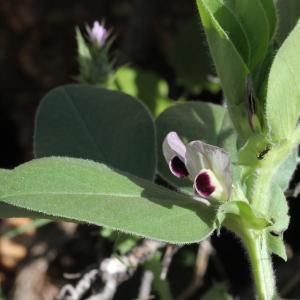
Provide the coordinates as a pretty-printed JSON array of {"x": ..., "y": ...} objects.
[
  {"x": 242, "y": 213},
  {"x": 276, "y": 245},
  {"x": 94, "y": 65},
  {"x": 286, "y": 171},
  {"x": 278, "y": 211}
]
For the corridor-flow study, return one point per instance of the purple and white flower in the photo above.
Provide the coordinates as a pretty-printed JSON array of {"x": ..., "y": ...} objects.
[
  {"x": 98, "y": 34},
  {"x": 208, "y": 166}
]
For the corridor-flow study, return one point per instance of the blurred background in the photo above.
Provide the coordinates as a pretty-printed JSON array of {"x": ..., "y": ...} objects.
[{"x": 37, "y": 53}]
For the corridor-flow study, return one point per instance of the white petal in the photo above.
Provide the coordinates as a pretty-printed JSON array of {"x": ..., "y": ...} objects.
[
  {"x": 201, "y": 156},
  {"x": 173, "y": 146}
]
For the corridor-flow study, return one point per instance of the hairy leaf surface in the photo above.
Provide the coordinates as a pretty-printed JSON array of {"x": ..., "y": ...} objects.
[
  {"x": 283, "y": 94},
  {"x": 85, "y": 191}
]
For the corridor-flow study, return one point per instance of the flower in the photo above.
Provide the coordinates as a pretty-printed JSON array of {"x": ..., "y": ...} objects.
[
  {"x": 208, "y": 166},
  {"x": 97, "y": 34}
]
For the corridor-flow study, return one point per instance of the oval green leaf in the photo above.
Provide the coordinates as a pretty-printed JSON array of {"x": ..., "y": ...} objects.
[
  {"x": 229, "y": 60},
  {"x": 283, "y": 94},
  {"x": 88, "y": 122},
  {"x": 85, "y": 191},
  {"x": 251, "y": 16}
]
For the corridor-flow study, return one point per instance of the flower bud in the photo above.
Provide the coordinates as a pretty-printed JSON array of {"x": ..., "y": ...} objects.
[{"x": 98, "y": 34}]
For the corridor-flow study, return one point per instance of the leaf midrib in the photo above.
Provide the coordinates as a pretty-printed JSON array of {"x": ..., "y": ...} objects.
[
  {"x": 4, "y": 197},
  {"x": 84, "y": 125},
  {"x": 72, "y": 194}
]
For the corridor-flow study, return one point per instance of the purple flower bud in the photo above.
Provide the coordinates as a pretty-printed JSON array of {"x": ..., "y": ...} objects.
[
  {"x": 98, "y": 34},
  {"x": 174, "y": 153}
]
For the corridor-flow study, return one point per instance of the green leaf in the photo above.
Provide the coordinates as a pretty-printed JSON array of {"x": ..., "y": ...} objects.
[
  {"x": 230, "y": 51},
  {"x": 286, "y": 171},
  {"x": 250, "y": 218},
  {"x": 194, "y": 121},
  {"x": 270, "y": 11},
  {"x": 276, "y": 246},
  {"x": 9, "y": 211},
  {"x": 289, "y": 14},
  {"x": 248, "y": 13},
  {"x": 217, "y": 292},
  {"x": 3, "y": 174},
  {"x": 278, "y": 211},
  {"x": 256, "y": 147},
  {"x": 85, "y": 191},
  {"x": 87, "y": 122},
  {"x": 225, "y": 20},
  {"x": 144, "y": 85},
  {"x": 260, "y": 85},
  {"x": 83, "y": 49},
  {"x": 283, "y": 94},
  {"x": 189, "y": 57}
]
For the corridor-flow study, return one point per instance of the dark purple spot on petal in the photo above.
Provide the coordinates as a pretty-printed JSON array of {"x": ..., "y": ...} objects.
[
  {"x": 178, "y": 167},
  {"x": 203, "y": 185}
]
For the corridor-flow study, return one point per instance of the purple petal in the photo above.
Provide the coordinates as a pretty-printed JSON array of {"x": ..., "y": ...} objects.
[
  {"x": 178, "y": 167},
  {"x": 174, "y": 152},
  {"x": 203, "y": 185},
  {"x": 98, "y": 34}
]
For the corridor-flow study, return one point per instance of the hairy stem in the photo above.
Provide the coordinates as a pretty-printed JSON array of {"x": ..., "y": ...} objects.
[
  {"x": 265, "y": 173},
  {"x": 261, "y": 264}
]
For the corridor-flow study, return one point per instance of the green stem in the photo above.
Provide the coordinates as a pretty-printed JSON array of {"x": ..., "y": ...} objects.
[
  {"x": 264, "y": 173},
  {"x": 261, "y": 264}
]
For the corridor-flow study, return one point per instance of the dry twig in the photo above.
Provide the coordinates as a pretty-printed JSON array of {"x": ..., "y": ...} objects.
[
  {"x": 113, "y": 271},
  {"x": 205, "y": 250},
  {"x": 146, "y": 285},
  {"x": 166, "y": 262}
]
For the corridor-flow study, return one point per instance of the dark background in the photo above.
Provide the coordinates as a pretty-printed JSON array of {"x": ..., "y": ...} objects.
[{"x": 38, "y": 52}]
